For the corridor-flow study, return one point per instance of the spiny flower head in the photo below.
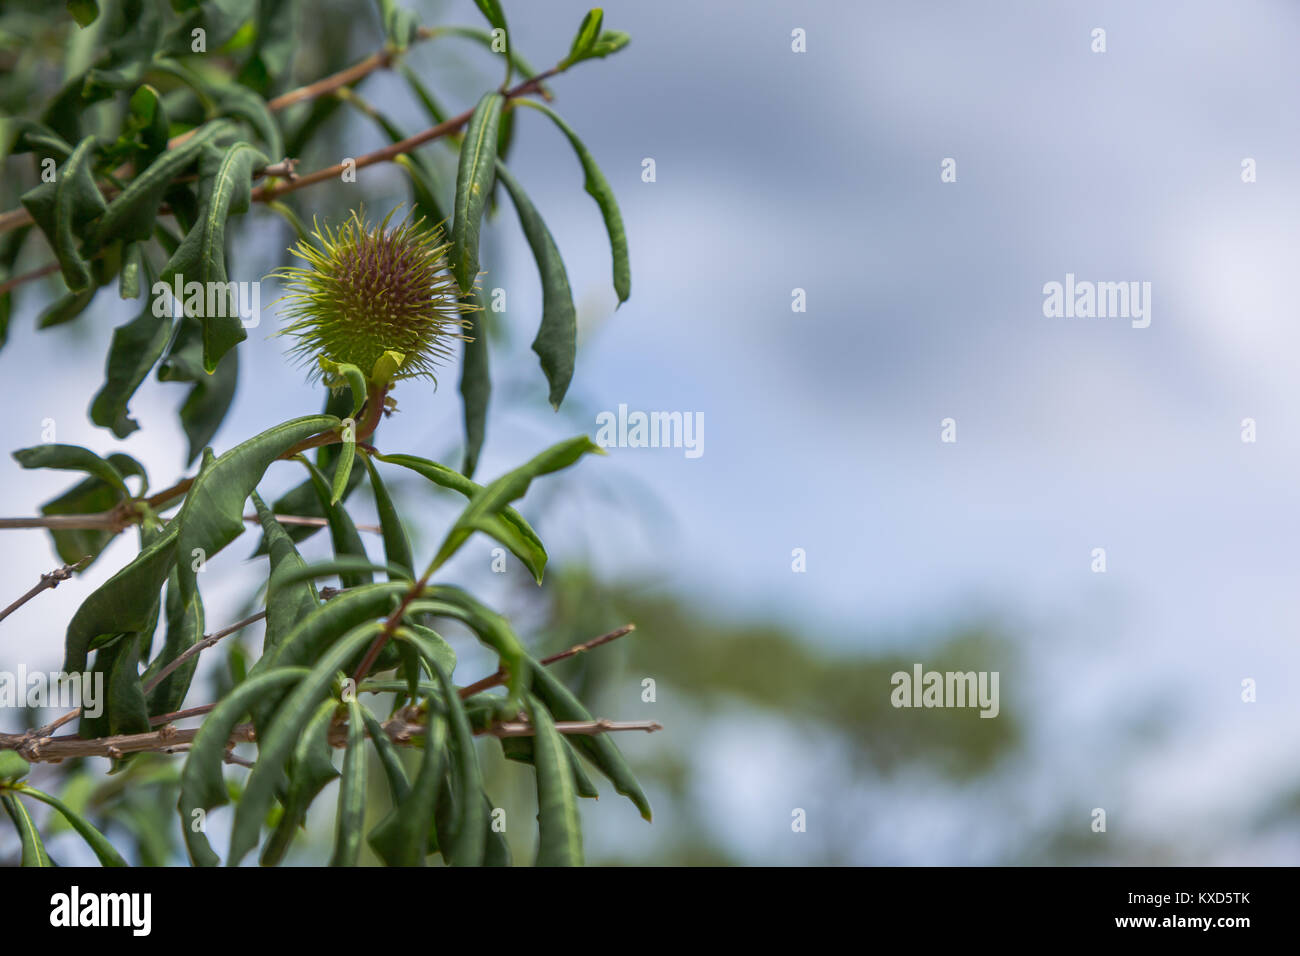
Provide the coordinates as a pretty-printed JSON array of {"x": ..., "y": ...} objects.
[{"x": 366, "y": 290}]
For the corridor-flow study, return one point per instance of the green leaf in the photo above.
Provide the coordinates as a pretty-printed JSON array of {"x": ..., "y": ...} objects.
[
  {"x": 343, "y": 470},
  {"x": 225, "y": 188},
  {"x": 509, "y": 527},
  {"x": 213, "y": 513},
  {"x": 206, "y": 405},
  {"x": 202, "y": 784},
  {"x": 311, "y": 767},
  {"x": 468, "y": 846},
  {"x": 33, "y": 849},
  {"x": 586, "y": 36},
  {"x": 491, "y": 629},
  {"x": 352, "y": 792},
  {"x": 398, "y": 784},
  {"x": 97, "y": 842},
  {"x": 65, "y": 308},
  {"x": 400, "y": 25},
  {"x": 184, "y": 630},
  {"x": 560, "y": 831},
  {"x": 599, "y": 189},
  {"x": 597, "y": 748},
  {"x": 76, "y": 545},
  {"x": 125, "y": 710},
  {"x": 336, "y": 373},
  {"x": 556, "y": 343},
  {"x": 149, "y": 120},
  {"x": 475, "y": 388},
  {"x": 85, "y": 12},
  {"x": 397, "y": 547},
  {"x": 133, "y": 212},
  {"x": 125, "y": 603},
  {"x": 135, "y": 349},
  {"x": 402, "y": 837},
  {"x": 343, "y": 565},
  {"x": 302, "y": 499},
  {"x": 70, "y": 458},
  {"x": 231, "y": 99},
  {"x": 311, "y": 636},
  {"x": 286, "y": 602},
  {"x": 521, "y": 750},
  {"x": 343, "y": 533},
  {"x": 285, "y": 727},
  {"x": 65, "y": 208},
  {"x": 12, "y": 767},
  {"x": 474, "y": 178},
  {"x": 486, "y": 508},
  {"x": 609, "y": 41}
]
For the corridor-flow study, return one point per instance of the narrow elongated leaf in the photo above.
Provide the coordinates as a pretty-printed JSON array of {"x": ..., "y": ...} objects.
[
  {"x": 352, "y": 792},
  {"x": 597, "y": 748},
  {"x": 225, "y": 188},
  {"x": 70, "y": 458},
  {"x": 398, "y": 784},
  {"x": 474, "y": 178},
  {"x": 397, "y": 547},
  {"x": 490, "y": 628},
  {"x": 206, "y": 405},
  {"x": 33, "y": 848},
  {"x": 599, "y": 189},
  {"x": 556, "y": 343},
  {"x": 559, "y": 829},
  {"x": 346, "y": 566},
  {"x": 475, "y": 388},
  {"x": 520, "y": 749},
  {"x": 184, "y": 630},
  {"x": 65, "y": 208},
  {"x": 302, "y": 498},
  {"x": 311, "y": 767},
  {"x": 85, "y": 12},
  {"x": 132, "y": 213},
  {"x": 311, "y": 636},
  {"x": 126, "y": 602},
  {"x": 469, "y": 844},
  {"x": 286, "y": 602},
  {"x": 97, "y": 842},
  {"x": 278, "y": 741},
  {"x": 213, "y": 513},
  {"x": 586, "y": 36},
  {"x": 487, "y": 505},
  {"x": 343, "y": 470},
  {"x": 124, "y": 711},
  {"x": 402, "y": 837},
  {"x": 202, "y": 784},
  {"x": 12, "y": 767},
  {"x": 508, "y": 526},
  {"x": 135, "y": 349},
  {"x": 343, "y": 532}
]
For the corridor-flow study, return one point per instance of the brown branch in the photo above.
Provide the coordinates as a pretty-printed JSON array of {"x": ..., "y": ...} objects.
[
  {"x": 492, "y": 680},
  {"x": 168, "y": 739},
  {"x": 48, "y": 582}
]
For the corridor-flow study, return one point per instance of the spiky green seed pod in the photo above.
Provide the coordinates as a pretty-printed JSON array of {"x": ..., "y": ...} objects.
[{"x": 369, "y": 290}]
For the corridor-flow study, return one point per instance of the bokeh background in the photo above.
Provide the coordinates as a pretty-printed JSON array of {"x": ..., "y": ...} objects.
[{"x": 821, "y": 171}]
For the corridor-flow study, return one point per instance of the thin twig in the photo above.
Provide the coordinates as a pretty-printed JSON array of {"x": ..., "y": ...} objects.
[
  {"x": 199, "y": 647},
  {"x": 492, "y": 680},
  {"x": 35, "y": 749},
  {"x": 48, "y": 582}
]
